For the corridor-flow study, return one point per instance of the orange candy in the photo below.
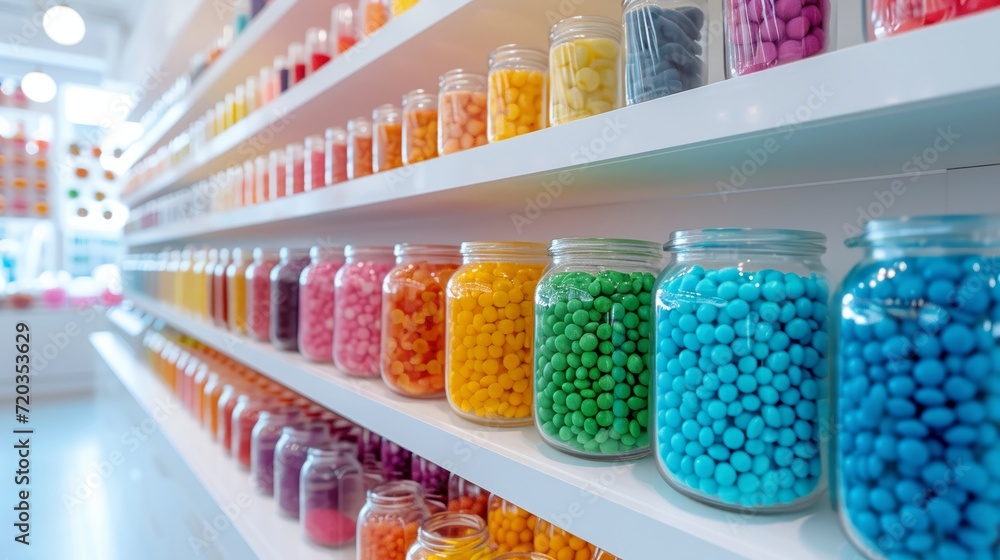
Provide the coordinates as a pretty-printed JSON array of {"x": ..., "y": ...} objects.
[
  {"x": 476, "y": 505},
  {"x": 560, "y": 544},
  {"x": 376, "y": 15},
  {"x": 362, "y": 163},
  {"x": 512, "y": 529},
  {"x": 463, "y": 121},
  {"x": 421, "y": 131},
  {"x": 385, "y": 538},
  {"x": 390, "y": 147}
]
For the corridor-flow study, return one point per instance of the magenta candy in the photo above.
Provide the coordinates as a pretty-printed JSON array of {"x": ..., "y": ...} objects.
[
  {"x": 797, "y": 28},
  {"x": 772, "y": 30},
  {"x": 813, "y": 15},
  {"x": 358, "y": 309},
  {"x": 819, "y": 35},
  {"x": 756, "y": 10},
  {"x": 787, "y": 9},
  {"x": 760, "y": 34},
  {"x": 811, "y": 45},
  {"x": 766, "y": 54},
  {"x": 316, "y": 303},
  {"x": 746, "y": 33},
  {"x": 790, "y": 51}
]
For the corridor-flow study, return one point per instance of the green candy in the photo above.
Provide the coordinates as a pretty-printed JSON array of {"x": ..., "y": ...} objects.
[
  {"x": 605, "y": 401},
  {"x": 588, "y": 342},
  {"x": 589, "y": 407},
  {"x": 588, "y": 359},
  {"x": 635, "y": 364}
]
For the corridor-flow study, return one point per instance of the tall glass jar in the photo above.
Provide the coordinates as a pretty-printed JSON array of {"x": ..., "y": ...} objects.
[
  {"x": 491, "y": 317},
  {"x": 265, "y": 436},
  {"x": 466, "y": 497},
  {"x": 359, "y": 148},
  {"x": 332, "y": 495},
  {"x": 316, "y": 303},
  {"x": 258, "y": 278},
  {"x": 198, "y": 300},
  {"x": 420, "y": 126},
  {"x": 170, "y": 277},
  {"x": 357, "y": 321},
  {"x": 228, "y": 399},
  {"x": 220, "y": 290},
  {"x": 452, "y": 536},
  {"x": 276, "y": 175},
  {"x": 592, "y": 358},
  {"x": 374, "y": 14},
  {"x": 210, "y": 403},
  {"x": 295, "y": 169},
  {"x": 343, "y": 28},
  {"x": 290, "y": 453},
  {"x": 740, "y": 378},
  {"x": 335, "y": 158},
  {"x": 236, "y": 277},
  {"x": 763, "y": 34},
  {"x": 512, "y": 529},
  {"x": 390, "y": 520},
  {"x": 245, "y": 414},
  {"x": 315, "y": 164},
  {"x": 461, "y": 111},
  {"x": 517, "y": 94},
  {"x": 918, "y": 389},
  {"x": 559, "y": 543},
  {"x": 432, "y": 477},
  {"x": 181, "y": 282},
  {"x": 665, "y": 47},
  {"x": 285, "y": 298},
  {"x": 387, "y": 149},
  {"x": 413, "y": 319},
  {"x": 262, "y": 179},
  {"x": 584, "y": 59}
]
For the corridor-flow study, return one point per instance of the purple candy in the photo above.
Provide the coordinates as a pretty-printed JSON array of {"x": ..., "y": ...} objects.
[
  {"x": 787, "y": 9},
  {"x": 433, "y": 478},
  {"x": 395, "y": 461},
  {"x": 790, "y": 51},
  {"x": 811, "y": 45},
  {"x": 813, "y": 15},
  {"x": 772, "y": 30},
  {"x": 797, "y": 28},
  {"x": 289, "y": 456}
]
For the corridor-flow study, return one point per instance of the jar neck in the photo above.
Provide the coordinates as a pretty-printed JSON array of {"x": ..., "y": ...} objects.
[
  {"x": 419, "y": 98},
  {"x": 331, "y": 253},
  {"x": 461, "y": 80},
  {"x": 453, "y": 532},
  {"x": 585, "y": 26},
  {"x": 360, "y": 126},
  {"x": 443, "y": 254},
  {"x": 386, "y": 113},
  {"x": 355, "y": 253},
  {"x": 516, "y": 55},
  {"x": 776, "y": 243},
  {"x": 398, "y": 494},
  {"x": 288, "y": 255},
  {"x": 933, "y": 233},
  {"x": 505, "y": 251},
  {"x": 265, "y": 255},
  {"x": 309, "y": 432},
  {"x": 582, "y": 250}
]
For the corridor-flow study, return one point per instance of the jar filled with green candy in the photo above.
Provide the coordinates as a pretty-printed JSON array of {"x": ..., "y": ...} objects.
[{"x": 592, "y": 346}]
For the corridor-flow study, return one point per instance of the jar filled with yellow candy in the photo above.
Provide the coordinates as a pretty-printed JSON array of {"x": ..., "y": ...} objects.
[
  {"x": 561, "y": 544},
  {"x": 452, "y": 536},
  {"x": 517, "y": 93},
  {"x": 584, "y": 68},
  {"x": 490, "y": 308},
  {"x": 512, "y": 529}
]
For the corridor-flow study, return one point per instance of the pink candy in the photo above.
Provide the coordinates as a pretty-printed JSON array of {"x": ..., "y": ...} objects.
[
  {"x": 765, "y": 33},
  {"x": 358, "y": 310},
  {"x": 316, "y": 310}
]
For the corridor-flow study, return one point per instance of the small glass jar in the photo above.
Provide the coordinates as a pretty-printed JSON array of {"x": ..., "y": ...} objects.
[
  {"x": 357, "y": 298},
  {"x": 374, "y": 14},
  {"x": 413, "y": 319},
  {"x": 262, "y": 178},
  {"x": 388, "y": 146},
  {"x": 452, "y": 536},
  {"x": 431, "y": 477},
  {"x": 917, "y": 397},
  {"x": 249, "y": 184},
  {"x": 512, "y": 529},
  {"x": 765, "y": 33},
  {"x": 181, "y": 279},
  {"x": 461, "y": 111},
  {"x": 890, "y": 17},
  {"x": 390, "y": 520},
  {"x": 396, "y": 461},
  {"x": 400, "y": 6},
  {"x": 258, "y": 277},
  {"x": 285, "y": 298},
  {"x": 236, "y": 277},
  {"x": 740, "y": 367},
  {"x": 276, "y": 174},
  {"x": 343, "y": 28},
  {"x": 315, "y": 166},
  {"x": 266, "y": 433},
  {"x": 297, "y": 63},
  {"x": 584, "y": 59},
  {"x": 317, "y": 48},
  {"x": 245, "y": 414},
  {"x": 332, "y": 495},
  {"x": 665, "y": 47},
  {"x": 198, "y": 301},
  {"x": 335, "y": 159},
  {"x": 220, "y": 290},
  {"x": 558, "y": 543},
  {"x": 359, "y": 148},
  {"x": 466, "y": 497},
  {"x": 228, "y": 399},
  {"x": 316, "y": 303},
  {"x": 295, "y": 169},
  {"x": 420, "y": 126},
  {"x": 489, "y": 378},
  {"x": 517, "y": 93},
  {"x": 210, "y": 404},
  {"x": 290, "y": 453},
  {"x": 592, "y": 347}
]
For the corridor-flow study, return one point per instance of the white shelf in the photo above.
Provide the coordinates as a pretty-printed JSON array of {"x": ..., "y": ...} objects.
[
  {"x": 862, "y": 112},
  {"x": 582, "y": 496},
  {"x": 269, "y": 536}
]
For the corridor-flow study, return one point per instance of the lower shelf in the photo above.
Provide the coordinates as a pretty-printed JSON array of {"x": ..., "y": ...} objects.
[{"x": 268, "y": 535}]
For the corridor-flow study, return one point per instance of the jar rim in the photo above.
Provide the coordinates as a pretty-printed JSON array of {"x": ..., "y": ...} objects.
[
  {"x": 567, "y": 25},
  {"x": 433, "y": 532},
  {"x": 787, "y": 240},
  {"x": 387, "y": 110},
  {"x": 293, "y": 253},
  {"x": 936, "y": 230},
  {"x": 600, "y": 245},
  {"x": 505, "y": 248},
  {"x": 326, "y": 252},
  {"x": 396, "y": 493},
  {"x": 460, "y": 75},
  {"x": 262, "y": 253},
  {"x": 514, "y": 51},
  {"x": 329, "y": 448},
  {"x": 426, "y": 250},
  {"x": 417, "y": 94},
  {"x": 370, "y": 250}
]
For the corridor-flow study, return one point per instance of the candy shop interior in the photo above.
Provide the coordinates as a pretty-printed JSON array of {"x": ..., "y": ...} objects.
[{"x": 478, "y": 279}]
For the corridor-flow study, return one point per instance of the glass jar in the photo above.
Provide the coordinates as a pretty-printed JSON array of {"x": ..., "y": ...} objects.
[
  {"x": 890, "y": 17},
  {"x": 335, "y": 159},
  {"x": 592, "y": 359},
  {"x": 198, "y": 300},
  {"x": 396, "y": 461},
  {"x": 236, "y": 277},
  {"x": 290, "y": 453},
  {"x": 220, "y": 291},
  {"x": 228, "y": 399},
  {"x": 343, "y": 28},
  {"x": 584, "y": 59},
  {"x": 918, "y": 389},
  {"x": 170, "y": 277},
  {"x": 359, "y": 148},
  {"x": 245, "y": 414},
  {"x": 461, "y": 111},
  {"x": 262, "y": 178},
  {"x": 420, "y": 126},
  {"x": 558, "y": 543},
  {"x": 466, "y": 497},
  {"x": 765, "y": 33},
  {"x": 210, "y": 404},
  {"x": 315, "y": 166},
  {"x": 452, "y": 536},
  {"x": 258, "y": 277},
  {"x": 332, "y": 495},
  {"x": 390, "y": 520},
  {"x": 316, "y": 303},
  {"x": 512, "y": 529},
  {"x": 181, "y": 279},
  {"x": 413, "y": 319},
  {"x": 665, "y": 47},
  {"x": 740, "y": 367},
  {"x": 370, "y": 450},
  {"x": 517, "y": 93},
  {"x": 431, "y": 477},
  {"x": 388, "y": 145},
  {"x": 297, "y": 63},
  {"x": 295, "y": 169},
  {"x": 491, "y": 317},
  {"x": 249, "y": 184},
  {"x": 276, "y": 174},
  {"x": 285, "y": 298},
  {"x": 317, "y": 48},
  {"x": 358, "y": 309},
  {"x": 265, "y": 436},
  {"x": 374, "y": 14}
]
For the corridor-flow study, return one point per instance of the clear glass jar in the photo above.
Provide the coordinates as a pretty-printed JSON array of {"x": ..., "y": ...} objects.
[
  {"x": 317, "y": 48},
  {"x": 420, "y": 126},
  {"x": 198, "y": 300},
  {"x": 210, "y": 404},
  {"x": 517, "y": 92},
  {"x": 276, "y": 173},
  {"x": 584, "y": 59},
  {"x": 258, "y": 278},
  {"x": 765, "y": 33},
  {"x": 390, "y": 520},
  {"x": 592, "y": 358},
  {"x": 433, "y": 478},
  {"x": 452, "y": 536},
  {"x": 413, "y": 319},
  {"x": 357, "y": 298},
  {"x": 890, "y": 17},
  {"x": 359, "y": 148},
  {"x": 169, "y": 277},
  {"x": 245, "y": 414},
  {"x": 228, "y": 399},
  {"x": 374, "y": 14},
  {"x": 558, "y": 543},
  {"x": 370, "y": 450},
  {"x": 343, "y": 28},
  {"x": 249, "y": 184},
  {"x": 466, "y": 497},
  {"x": 491, "y": 318},
  {"x": 665, "y": 47},
  {"x": 236, "y": 277},
  {"x": 220, "y": 290},
  {"x": 290, "y": 453},
  {"x": 332, "y": 495},
  {"x": 315, "y": 165},
  {"x": 285, "y": 298},
  {"x": 740, "y": 367},
  {"x": 917, "y": 395},
  {"x": 262, "y": 178},
  {"x": 180, "y": 279},
  {"x": 461, "y": 111},
  {"x": 388, "y": 145},
  {"x": 512, "y": 529},
  {"x": 316, "y": 303},
  {"x": 295, "y": 169},
  {"x": 297, "y": 63},
  {"x": 266, "y": 433},
  {"x": 396, "y": 461},
  {"x": 335, "y": 159}
]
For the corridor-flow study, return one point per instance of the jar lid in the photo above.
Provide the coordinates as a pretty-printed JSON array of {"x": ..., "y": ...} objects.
[
  {"x": 949, "y": 231},
  {"x": 753, "y": 239}
]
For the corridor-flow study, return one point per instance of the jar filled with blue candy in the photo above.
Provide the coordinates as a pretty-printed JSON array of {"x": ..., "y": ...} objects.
[
  {"x": 917, "y": 456},
  {"x": 740, "y": 370},
  {"x": 665, "y": 47}
]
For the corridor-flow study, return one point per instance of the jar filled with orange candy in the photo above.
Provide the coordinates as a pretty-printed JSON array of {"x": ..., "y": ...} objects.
[
  {"x": 452, "y": 536},
  {"x": 512, "y": 529},
  {"x": 420, "y": 126},
  {"x": 461, "y": 111},
  {"x": 390, "y": 520},
  {"x": 413, "y": 323},
  {"x": 517, "y": 93},
  {"x": 561, "y": 544},
  {"x": 466, "y": 497},
  {"x": 387, "y": 149},
  {"x": 374, "y": 14},
  {"x": 359, "y": 148}
]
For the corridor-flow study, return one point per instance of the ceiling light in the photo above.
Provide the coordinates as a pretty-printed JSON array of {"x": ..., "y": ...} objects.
[
  {"x": 39, "y": 87},
  {"x": 64, "y": 25}
]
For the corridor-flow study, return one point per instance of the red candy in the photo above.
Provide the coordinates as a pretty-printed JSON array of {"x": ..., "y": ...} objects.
[{"x": 329, "y": 527}]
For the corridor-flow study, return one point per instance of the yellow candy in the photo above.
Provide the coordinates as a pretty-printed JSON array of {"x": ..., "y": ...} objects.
[
  {"x": 560, "y": 544},
  {"x": 516, "y": 103},
  {"x": 512, "y": 529},
  {"x": 584, "y": 78}
]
